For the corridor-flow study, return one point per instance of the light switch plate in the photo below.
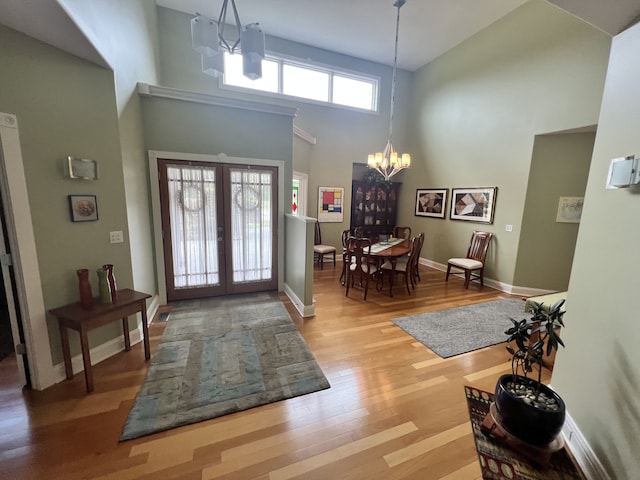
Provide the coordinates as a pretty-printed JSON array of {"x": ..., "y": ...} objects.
[{"x": 116, "y": 237}]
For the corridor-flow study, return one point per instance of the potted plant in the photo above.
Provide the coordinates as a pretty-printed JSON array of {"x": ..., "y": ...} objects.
[{"x": 526, "y": 408}]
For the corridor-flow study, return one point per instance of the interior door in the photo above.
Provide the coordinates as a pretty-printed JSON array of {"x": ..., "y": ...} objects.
[{"x": 219, "y": 228}]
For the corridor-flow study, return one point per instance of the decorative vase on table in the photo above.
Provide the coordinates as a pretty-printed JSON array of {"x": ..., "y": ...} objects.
[
  {"x": 104, "y": 291},
  {"x": 84, "y": 286},
  {"x": 112, "y": 281}
]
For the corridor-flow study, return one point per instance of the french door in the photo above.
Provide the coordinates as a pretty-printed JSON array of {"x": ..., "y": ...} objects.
[{"x": 219, "y": 224}]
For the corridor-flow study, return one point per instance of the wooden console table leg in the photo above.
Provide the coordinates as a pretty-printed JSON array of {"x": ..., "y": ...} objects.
[
  {"x": 66, "y": 353},
  {"x": 125, "y": 332},
  {"x": 86, "y": 359},
  {"x": 145, "y": 329}
]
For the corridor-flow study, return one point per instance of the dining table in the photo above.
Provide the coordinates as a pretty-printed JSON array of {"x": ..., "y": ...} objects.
[{"x": 390, "y": 250}]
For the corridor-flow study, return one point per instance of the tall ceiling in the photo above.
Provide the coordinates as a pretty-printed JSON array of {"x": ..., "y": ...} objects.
[{"x": 361, "y": 28}]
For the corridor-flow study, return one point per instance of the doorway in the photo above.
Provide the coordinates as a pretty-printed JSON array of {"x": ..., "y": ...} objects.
[{"x": 219, "y": 227}]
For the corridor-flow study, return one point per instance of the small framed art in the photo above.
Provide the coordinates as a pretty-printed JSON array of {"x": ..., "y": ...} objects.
[
  {"x": 83, "y": 208},
  {"x": 569, "y": 209},
  {"x": 473, "y": 204},
  {"x": 330, "y": 204},
  {"x": 431, "y": 202}
]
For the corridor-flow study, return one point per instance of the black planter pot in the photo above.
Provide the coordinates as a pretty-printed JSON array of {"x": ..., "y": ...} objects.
[{"x": 526, "y": 422}]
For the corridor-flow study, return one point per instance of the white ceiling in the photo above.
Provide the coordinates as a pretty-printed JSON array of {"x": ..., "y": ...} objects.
[
  {"x": 365, "y": 28},
  {"x": 361, "y": 28}
]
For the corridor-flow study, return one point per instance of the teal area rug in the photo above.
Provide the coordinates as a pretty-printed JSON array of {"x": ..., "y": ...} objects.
[
  {"x": 223, "y": 355},
  {"x": 463, "y": 329}
]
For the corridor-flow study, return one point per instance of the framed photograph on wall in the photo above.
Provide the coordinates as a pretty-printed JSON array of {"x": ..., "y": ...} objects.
[
  {"x": 83, "y": 208},
  {"x": 473, "y": 204},
  {"x": 330, "y": 204},
  {"x": 569, "y": 209},
  {"x": 431, "y": 202}
]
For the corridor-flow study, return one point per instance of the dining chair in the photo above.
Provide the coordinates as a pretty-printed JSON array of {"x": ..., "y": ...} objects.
[
  {"x": 360, "y": 264},
  {"x": 473, "y": 264},
  {"x": 320, "y": 250},
  {"x": 345, "y": 257},
  {"x": 405, "y": 266},
  {"x": 415, "y": 271},
  {"x": 402, "y": 232}
]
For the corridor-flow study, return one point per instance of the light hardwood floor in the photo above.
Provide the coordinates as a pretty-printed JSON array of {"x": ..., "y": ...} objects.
[{"x": 395, "y": 410}]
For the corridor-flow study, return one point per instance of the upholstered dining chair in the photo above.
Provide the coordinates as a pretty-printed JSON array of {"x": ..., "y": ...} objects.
[
  {"x": 473, "y": 264},
  {"x": 415, "y": 272},
  {"x": 402, "y": 232},
  {"x": 405, "y": 266},
  {"x": 359, "y": 264},
  {"x": 320, "y": 250}
]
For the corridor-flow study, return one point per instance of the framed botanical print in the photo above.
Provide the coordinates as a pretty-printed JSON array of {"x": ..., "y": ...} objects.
[
  {"x": 431, "y": 202},
  {"x": 473, "y": 204}
]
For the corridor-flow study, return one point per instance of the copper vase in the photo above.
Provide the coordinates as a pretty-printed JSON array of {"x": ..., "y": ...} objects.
[{"x": 84, "y": 286}]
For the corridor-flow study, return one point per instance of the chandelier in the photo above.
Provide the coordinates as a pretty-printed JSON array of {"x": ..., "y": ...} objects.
[
  {"x": 207, "y": 38},
  {"x": 389, "y": 162}
]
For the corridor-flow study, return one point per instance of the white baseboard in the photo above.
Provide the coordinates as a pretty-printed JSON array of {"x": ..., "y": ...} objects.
[
  {"x": 582, "y": 451},
  {"x": 305, "y": 311},
  {"x": 503, "y": 287}
]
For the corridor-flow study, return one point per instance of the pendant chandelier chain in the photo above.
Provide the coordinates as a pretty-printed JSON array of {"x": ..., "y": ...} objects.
[{"x": 398, "y": 4}]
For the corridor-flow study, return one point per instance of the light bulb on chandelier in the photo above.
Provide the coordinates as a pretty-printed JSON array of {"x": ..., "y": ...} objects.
[{"x": 388, "y": 162}]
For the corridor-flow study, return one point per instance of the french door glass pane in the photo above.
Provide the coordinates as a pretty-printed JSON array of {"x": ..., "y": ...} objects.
[
  {"x": 251, "y": 225},
  {"x": 193, "y": 212}
]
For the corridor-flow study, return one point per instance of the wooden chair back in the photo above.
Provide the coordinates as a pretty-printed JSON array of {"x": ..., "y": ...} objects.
[
  {"x": 479, "y": 245},
  {"x": 402, "y": 232}
]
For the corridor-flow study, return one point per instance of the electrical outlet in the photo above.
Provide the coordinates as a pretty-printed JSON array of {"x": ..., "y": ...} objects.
[
  {"x": 508, "y": 228},
  {"x": 116, "y": 237}
]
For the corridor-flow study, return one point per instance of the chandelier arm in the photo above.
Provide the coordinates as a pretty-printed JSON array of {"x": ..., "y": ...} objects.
[{"x": 238, "y": 24}]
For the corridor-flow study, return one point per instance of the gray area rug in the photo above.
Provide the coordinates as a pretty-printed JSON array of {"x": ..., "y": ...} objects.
[
  {"x": 222, "y": 355},
  {"x": 463, "y": 329}
]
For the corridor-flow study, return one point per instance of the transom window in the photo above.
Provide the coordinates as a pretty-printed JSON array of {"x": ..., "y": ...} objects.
[{"x": 313, "y": 83}]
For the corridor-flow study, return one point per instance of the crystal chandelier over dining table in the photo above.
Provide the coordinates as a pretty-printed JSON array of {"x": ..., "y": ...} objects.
[{"x": 389, "y": 162}]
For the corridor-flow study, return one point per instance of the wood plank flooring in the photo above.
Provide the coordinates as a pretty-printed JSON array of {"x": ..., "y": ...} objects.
[{"x": 395, "y": 410}]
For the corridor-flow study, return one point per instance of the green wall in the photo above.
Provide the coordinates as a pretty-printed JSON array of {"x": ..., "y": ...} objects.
[
  {"x": 559, "y": 168},
  {"x": 114, "y": 26},
  {"x": 476, "y": 112},
  {"x": 598, "y": 373},
  {"x": 66, "y": 106}
]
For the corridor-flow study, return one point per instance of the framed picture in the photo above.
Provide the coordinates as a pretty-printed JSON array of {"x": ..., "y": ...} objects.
[
  {"x": 431, "y": 202},
  {"x": 83, "y": 208},
  {"x": 330, "y": 204},
  {"x": 473, "y": 204},
  {"x": 569, "y": 209}
]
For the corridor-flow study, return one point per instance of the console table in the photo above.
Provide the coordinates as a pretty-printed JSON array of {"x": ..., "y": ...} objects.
[{"x": 73, "y": 316}]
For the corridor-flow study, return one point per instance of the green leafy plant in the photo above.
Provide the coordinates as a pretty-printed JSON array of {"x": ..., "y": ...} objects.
[{"x": 534, "y": 337}]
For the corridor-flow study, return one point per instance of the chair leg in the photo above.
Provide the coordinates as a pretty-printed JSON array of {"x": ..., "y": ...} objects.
[
  {"x": 467, "y": 278},
  {"x": 482, "y": 277},
  {"x": 448, "y": 272},
  {"x": 334, "y": 259}
]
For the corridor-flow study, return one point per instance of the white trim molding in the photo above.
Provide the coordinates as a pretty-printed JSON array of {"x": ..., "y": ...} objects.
[
  {"x": 305, "y": 311},
  {"x": 586, "y": 458},
  {"x": 146, "y": 90},
  {"x": 306, "y": 136},
  {"x": 503, "y": 287}
]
